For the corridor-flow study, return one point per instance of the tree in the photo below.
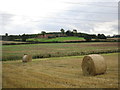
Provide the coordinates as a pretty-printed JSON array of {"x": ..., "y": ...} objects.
[
  {"x": 43, "y": 33},
  {"x": 62, "y": 31},
  {"x": 69, "y": 33},
  {"x": 93, "y": 36},
  {"x": 102, "y": 36},
  {"x": 75, "y": 32},
  {"x": 24, "y": 37},
  {"x": 6, "y": 36}
]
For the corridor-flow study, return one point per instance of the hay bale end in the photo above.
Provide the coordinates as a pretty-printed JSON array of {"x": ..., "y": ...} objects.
[
  {"x": 93, "y": 64},
  {"x": 27, "y": 58}
]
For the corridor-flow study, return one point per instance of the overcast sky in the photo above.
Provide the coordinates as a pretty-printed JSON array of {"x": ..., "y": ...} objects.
[{"x": 34, "y": 16}]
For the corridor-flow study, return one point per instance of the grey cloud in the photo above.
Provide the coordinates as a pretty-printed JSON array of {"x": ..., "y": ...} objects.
[
  {"x": 82, "y": 17},
  {"x": 5, "y": 18}
]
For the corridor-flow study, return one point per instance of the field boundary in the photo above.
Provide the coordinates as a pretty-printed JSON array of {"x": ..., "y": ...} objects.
[
  {"x": 12, "y": 58},
  {"x": 31, "y": 42}
]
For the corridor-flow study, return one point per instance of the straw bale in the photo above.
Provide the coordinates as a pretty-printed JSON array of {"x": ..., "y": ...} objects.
[
  {"x": 27, "y": 58},
  {"x": 93, "y": 64}
]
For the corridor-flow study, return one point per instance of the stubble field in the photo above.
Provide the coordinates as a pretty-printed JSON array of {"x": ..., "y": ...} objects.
[
  {"x": 58, "y": 72},
  {"x": 15, "y": 52}
]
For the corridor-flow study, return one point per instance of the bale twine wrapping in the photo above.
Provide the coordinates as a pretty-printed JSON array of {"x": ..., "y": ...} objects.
[
  {"x": 27, "y": 58},
  {"x": 93, "y": 64}
]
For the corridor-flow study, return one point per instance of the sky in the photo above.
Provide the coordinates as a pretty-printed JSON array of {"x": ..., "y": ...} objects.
[{"x": 34, "y": 16}]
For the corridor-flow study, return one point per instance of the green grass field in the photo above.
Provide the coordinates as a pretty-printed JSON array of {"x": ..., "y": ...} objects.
[
  {"x": 58, "y": 72},
  {"x": 58, "y": 39},
  {"x": 15, "y": 52}
]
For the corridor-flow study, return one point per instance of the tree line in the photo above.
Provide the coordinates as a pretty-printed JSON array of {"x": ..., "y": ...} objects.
[
  {"x": 62, "y": 33},
  {"x": 86, "y": 36}
]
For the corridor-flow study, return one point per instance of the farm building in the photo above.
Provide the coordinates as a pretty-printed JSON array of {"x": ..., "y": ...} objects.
[{"x": 50, "y": 35}]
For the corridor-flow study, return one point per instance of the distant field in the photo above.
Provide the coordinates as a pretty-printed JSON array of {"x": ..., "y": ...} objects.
[
  {"x": 15, "y": 52},
  {"x": 65, "y": 39},
  {"x": 58, "y": 39},
  {"x": 7, "y": 42},
  {"x": 114, "y": 38},
  {"x": 62, "y": 72}
]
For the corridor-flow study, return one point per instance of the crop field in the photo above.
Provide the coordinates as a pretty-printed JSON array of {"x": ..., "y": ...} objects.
[
  {"x": 7, "y": 42},
  {"x": 58, "y": 72},
  {"x": 58, "y": 39},
  {"x": 15, "y": 52}
]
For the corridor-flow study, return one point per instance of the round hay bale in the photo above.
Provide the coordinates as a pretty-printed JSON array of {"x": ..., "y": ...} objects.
[
  {"x": 27, "y": 58},
  {"x": 93, "y": 64}
]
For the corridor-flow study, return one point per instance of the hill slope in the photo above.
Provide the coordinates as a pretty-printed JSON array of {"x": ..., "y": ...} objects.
[{"x": 58, "y": 39}]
